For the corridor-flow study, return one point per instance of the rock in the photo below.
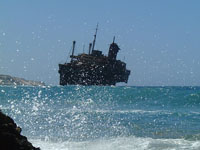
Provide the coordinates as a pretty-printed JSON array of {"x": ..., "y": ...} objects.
[
  {"x": 10, "y": 137},
  {"x": 9, "y": 80}
]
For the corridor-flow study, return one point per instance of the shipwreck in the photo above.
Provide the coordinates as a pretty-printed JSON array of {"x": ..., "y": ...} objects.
[{"x": 94, "y": 68}]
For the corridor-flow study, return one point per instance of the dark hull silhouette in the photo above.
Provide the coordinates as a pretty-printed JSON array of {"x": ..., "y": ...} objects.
[
  {"x": 107, "y": 73},
  {"x": 94, "y": 68}
]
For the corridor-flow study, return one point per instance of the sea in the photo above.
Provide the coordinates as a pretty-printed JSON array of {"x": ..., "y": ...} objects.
[{"x": 105, "y": 117}]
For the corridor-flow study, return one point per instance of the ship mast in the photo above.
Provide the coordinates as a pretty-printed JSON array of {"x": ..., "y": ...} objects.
[
  {"x": 114, "y": 39},
  {"x": 94, "y": 38}
]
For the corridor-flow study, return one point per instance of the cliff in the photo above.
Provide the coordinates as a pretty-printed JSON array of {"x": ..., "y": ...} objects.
[{"x": 9, "y": 80}]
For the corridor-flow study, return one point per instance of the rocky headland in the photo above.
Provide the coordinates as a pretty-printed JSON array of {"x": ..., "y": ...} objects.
[
  {"x": 10, "y": 135},
  {"x": 9, "y": 80}
]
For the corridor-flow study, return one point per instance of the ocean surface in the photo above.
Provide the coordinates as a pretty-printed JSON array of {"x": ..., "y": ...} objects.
[{"x": 106, "y": 118}]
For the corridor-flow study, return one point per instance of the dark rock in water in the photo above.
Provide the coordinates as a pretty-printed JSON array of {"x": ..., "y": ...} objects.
[
  {"x": 9, "y": 80},
  {"x": 10, "y": 137}
]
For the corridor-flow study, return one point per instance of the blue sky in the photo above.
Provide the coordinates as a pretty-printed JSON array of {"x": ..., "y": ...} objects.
[{"x": 159, "y": 40}]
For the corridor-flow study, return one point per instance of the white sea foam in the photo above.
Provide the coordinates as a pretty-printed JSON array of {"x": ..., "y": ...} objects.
[
  {"x": 4, "y": 107},
  {"x": 139, "y": 111},
  {"x": 134, "y": 111},
  {"x": 197, "y": 113},
  {"x": 121, "y": 143}
]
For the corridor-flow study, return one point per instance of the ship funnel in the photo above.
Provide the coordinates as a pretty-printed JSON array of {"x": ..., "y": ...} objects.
[
  {"x": 90, "y": 46},
  {"x": 113, "y": 50},
  {"x": 72, "y": 56}
]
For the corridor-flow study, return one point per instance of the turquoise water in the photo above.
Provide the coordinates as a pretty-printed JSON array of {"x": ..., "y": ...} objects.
[{"x": 106, "y": 118}]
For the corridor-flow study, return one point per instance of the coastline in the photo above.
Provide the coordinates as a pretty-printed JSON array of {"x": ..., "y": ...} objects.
[{"x": 10, "y": 80}]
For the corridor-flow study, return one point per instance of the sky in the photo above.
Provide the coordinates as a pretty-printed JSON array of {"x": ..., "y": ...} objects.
[{"x": 159, "y": 40}]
